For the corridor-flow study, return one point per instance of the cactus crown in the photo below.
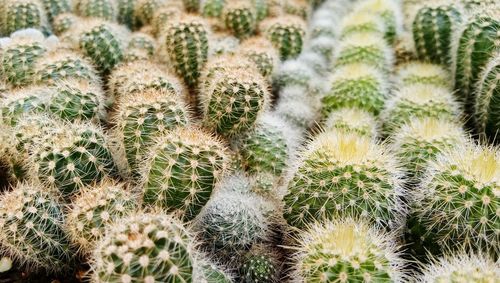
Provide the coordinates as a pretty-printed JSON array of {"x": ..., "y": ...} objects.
[
  {"x": 361, "y": 22},
  {"x": 424, "y": 73},
  {"x": 60, "y": 65},
  {"x": 352, "y": 120}
]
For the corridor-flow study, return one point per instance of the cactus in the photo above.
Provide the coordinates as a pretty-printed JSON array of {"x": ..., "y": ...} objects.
[
  {"x": 186, "y": 44},
  {"x": 222, "y": 44},
  {"x": 234, "y": 100},
  {"x": 191, "y": 6},
  {"x": 261, "y": 9},
  {"x": 17, "y": 60},
  {"x": 461, "y": 267},
  {"x": 478, "y": 42},
  {"x": 143, "y": 117},
  {"x": 101, "y": 41},
  {"x": 55, "y": 7},
  {"x": 345, "y": 175},
  {"x": 487, "y": 93},
  {"x": 364, "y": 48},
  {"x": 102, "y": 9},
  {"x": 352, "y": 120},
  {"x": 32, "y": 229},
  {"x": 22, "y": 101},
  {"x": 269, "y": 147},
  {"x": 457, "y": 202},
  {"x": 95, "y": 208},
  {"x": 63, "y": 65},
  {"x": 297, "y": 108},
  {"x": 419, "y": 101},
  {"x": 300, "y": 8},
  {"x": 260, "y": 265},
  {"x": 361, "y": 22},
  {"x": 433, "y": 29},
  {"x": 323, "y": 46},
  {"x": 295, "y": 73},
  {"x": 212, "y": 8},
  {"x": 125, "y": 13},
  {"x": 205, "y": 271},
  {"x": 323, "y": 27},
  {"x": 419, "y": 142},
  {"x": 347, "y": 250},
  {"x": 144, "y": 248},
  {"x": 239, "y": 18},
  {"x": 142, "y": 41},
  {"x": 287, "y": 35},
  {"x": 164, "y": 16},
  {"x": 356, "y": 86},
  {"x": 181, "y": 171},
  {"x": 390, "y": 13},
  {"x": 64, "y": 22},
  {"x": 72, "y": 156},
  {"x": 424, "y": 73},
  {"x": 21, "y": 14},
  {"x": 145, "y": 9}
]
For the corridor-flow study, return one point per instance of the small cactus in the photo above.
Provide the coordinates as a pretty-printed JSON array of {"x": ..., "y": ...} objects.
[
  {"x": 424, "y": 73},
  {"x": 21, "y": 14},
  {"x": 261, "y": 9},
  {"x": 96, "y": 207},
  {"x": 239, "y": 18},
  {"x": 62, "y": 65},
  {"x": 144, "y": 248},
  {"x": 205, "y": 271},
  {"x": 212, "y": 8},
  {"x": 145, "y": 9},
  {"x": 64, "y": 22},
  {"x": 287, "y": 33},
  {"x": 22, "y": 101},
  {"x": 164, "y": 16},
  {"x": 182, "y": 170},
  {"x": 142, "y": 41},
  {"x": 55, "y": 7},
  {"x": 102, "y": 9},
  {"x": 345, "y": 175},
  {"x": 32, "y": 229},
  {"x": 457, "y": 202},
  {"x": 294, "y": 72},
  {"x": 390, "y": 13},
  {"x": 347, "y": 250},
  {"x": 361, "y": 22},
  {"x": 125, "y": 13},
  {"x": 352, "y": 120},
  {"x": 260, "y": 265},
  {"x": 191, "y": 6}
]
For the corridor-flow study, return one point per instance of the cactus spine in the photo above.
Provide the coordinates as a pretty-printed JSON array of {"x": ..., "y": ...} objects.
[{"x": 18, "y": 59}]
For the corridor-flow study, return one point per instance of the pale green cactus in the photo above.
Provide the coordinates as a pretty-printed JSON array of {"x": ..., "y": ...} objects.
[
  {"x": 352, "y": 120},
  {"x": 239, "y": 18},
  {"x": 22, "y": 14},
  {"x": 424, "y": 73},
  {"x": 102, "y": 9}
]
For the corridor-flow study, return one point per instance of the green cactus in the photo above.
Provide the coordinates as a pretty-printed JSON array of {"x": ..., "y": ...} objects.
[
  {"x": 102, "y": 43},
  {"x": 143, "y": 117},
  {"x": 261, "y": 9},
  {"x": 22, "y": 101},
  {"x": 477, "y": 44},
  {"x": 361, "y": 22},
  {"x": 32, "y": 229},
  {"x": 144, "y": 248},
  {"x": 21, "y": 14},
  {"x": 356, "y": 86},
  {"x": 56, "y": 7},
  {"x": 63, "y": 65},
  {"x": 234, "y": 100},
  {"x": 300, "y": 111},
  {"x": 95, "y": 208},
  {"x": 125, "y": 13},
  {"x": 18, "y": 59},
  {"x": 419, "y": 101},
  {"x": 300, "y": 8},
  {"x": 352, "y": 120},
  {"x": 390, "y": 13},
  {"x": 461, "y": 267},
  {"x": 347, "y": 250},
  {"x": 260, "y": 51},
  {"x": 142, "y": 41},
  {"x": 424, "y": 73},
  {"x": 487, "y": 94},
  {"x": 239, "y": 18},
  {"x": 72, "y": 156},
  {"x": 212, "y": 8},
  {"x": 186, "y": 43},
  {"x": 102, "y": 9},
  {"x": 457, "y": 202},
  {"x": 364, "y": 48},
  {"x": 419, "y": 142},
  {"x": 260, "y": 265},
  {"x": 205, "y": 271},
  {"x": 345, "y": 175},
  {"x": 433, "y": 29},
  {"x": 324, "y": 46},
  {"x": 164, "y": 16},
  {"x": 287, "y": 33},
  {"x": 222, "y": 43},
  {"x": 145, "y": 9},
  {"x": 191, "y": 6},
  {"x": 182, "y": 169},
  {"x": 64, "y": 22}
]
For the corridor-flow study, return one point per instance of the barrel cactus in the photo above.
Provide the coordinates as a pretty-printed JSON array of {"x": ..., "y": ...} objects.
[
  {"x": 21, "y": 14},
  {"x": 345, "y": 175},
  {"x": 62, "y": 65},
  {"x": 424, "y": 73},
  {"x": 260, "y": 265},
  {"x": 361, "y": 22},
  {"x": 164, "y": 16},
  {"x": 352, "y": 120},
  {"x": 287, "y": 33},
  {"x": 102, "y": 9},
  {"x": 239, "y": 18},
  {"x": 212, "y": 8}
]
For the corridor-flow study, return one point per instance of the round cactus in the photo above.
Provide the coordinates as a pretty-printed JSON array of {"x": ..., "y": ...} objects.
[
  {"x": 102, "y": 9},
  {"x": 356, "y": 86},
  {"x": 61, "y": 65},
  {"x": 239, "y": 18},
  {"x": 287, "y": 35},
  {"x": 364, "y": 48},
  {"x": 32, "y": 229},
  {"x": 419, "y": 101},
  {"x": 295, "y": 73},
  {"x": 461, "y": 267},
  {"x": 182, "y": 169},
  {"x": 345, "y": 175},
  {"x": 143, "y": 117},
  {"x": 95, "y": 208},
  {"x": 144, "y": 248},
  {"x": 212, "y": 8},
  {"x": 204, "y": 271},
  {"x": 323, "y": 46},
  {"x": 22, "y": 101},
  {"x": 234, "y": 100},
  {"x": 487, "y": 94},
  {"x": 457, "y": 202},
  {"x": 222, "y": 43},
  {"x": 423, "y": 73},
  {"x": 352, "y": 120},
  {"x": 186, "y": 43},
  {"x": 300, "y": 8},
  {"x": 347, "y": 250},
  {"x": 125, "y": 13},
  {"x": 361, "y": 22},
  {"x": 390, "y": 13},
  {"x": 142, "y": 41},
  {"x": 164, "y": 16},
  {"x": 55, "y": 7},
  {"x": 64, "y": 22},
  {"x": 433, "y": 29},
  {"x": 72, "y": 156},
  {"x": 421, "y": 140},
  {"x": 261, "y": 9},
  {"x": 260, "y": 266},
  {"x": 145, "y": 9},
  {"x": 21, "y": 14}
]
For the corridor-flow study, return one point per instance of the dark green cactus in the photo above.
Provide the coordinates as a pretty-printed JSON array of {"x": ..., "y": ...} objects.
[
  {"x": 239, "y": 18},
  {"x": 487, "y": 95},
  {"x": 287, "y": 33},
  {"x": 212, "y": 8},
  {"x": 145, "y": 9},
  {"x": 56, "y": 7},
  {"x": 18, "y": 59}
]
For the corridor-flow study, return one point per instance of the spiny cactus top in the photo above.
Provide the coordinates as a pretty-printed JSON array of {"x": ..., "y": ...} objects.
[
  {"x": 287, "y": 33},
  {"x": 145, "y": 9},
  {"x": 55, "y": 7},
  {"x": 424, "y": 73},
  {"x": 64, "y": 22},
  {"x": 165, "y": 15},
  {"x": 142, "y": 41},
  {"x": 260, "y": 265},
  {"x": 205, "y": 271},
  {"x": 102, "y": 9},
  {"x": 356, "y": 86},
  {"x": 300, "y": 8},
  {"x": 144, "y": 248},
  {"x": 361, "y": 22},
  {"x": 347, "y": 250},
  {"x": 390, "y": 13},
  {"x": 234, "y": 100},
  {"x": 186, "y": 43},
  {"x": 182, "y": 170},
  {"x": 345, "y": 175},
  {"x": 462, "y": 267},
  {"x": 240, "y": 18},
  {"x": 32, "y": 228},
  {"x": 294, "y": 72},
  {"x": 96, "y": 207},
  {"x": 21, "y": 14},
  {"x": 458, "y": 201},
  {"x": 22, "y": 101},
  {"x": 352, "y": 120},
  {"x": 212, "y": 8}
]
